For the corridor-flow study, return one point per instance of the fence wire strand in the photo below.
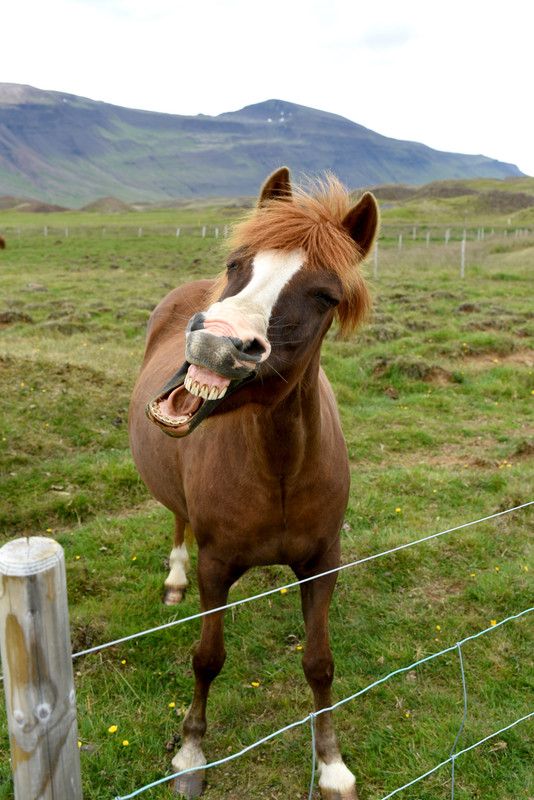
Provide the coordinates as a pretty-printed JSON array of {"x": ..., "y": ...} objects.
[
  {"x": 292, "y": 585},
  {"x": 311, "y": 719},
  {"x": 452, "y": 755}
]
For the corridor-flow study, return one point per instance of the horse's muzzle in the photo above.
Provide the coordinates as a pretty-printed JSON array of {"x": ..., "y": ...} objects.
[{"x": 227, "y": 356}]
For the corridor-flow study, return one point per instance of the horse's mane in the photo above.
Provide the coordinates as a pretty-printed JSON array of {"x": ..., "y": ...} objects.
[{"x": 311, "y": 220}]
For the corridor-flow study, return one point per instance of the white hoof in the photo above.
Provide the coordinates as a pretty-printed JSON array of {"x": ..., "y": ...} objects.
[
  {"x": 192, "y": 784},
  {"x": 173, "y": 595}
]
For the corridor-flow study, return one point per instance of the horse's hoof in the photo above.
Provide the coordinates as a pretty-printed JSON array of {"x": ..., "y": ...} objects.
[
  {"x": 190, "y": 785},
  {"x": 332, "y": 794},
  {"x": 173, "y": 595}
]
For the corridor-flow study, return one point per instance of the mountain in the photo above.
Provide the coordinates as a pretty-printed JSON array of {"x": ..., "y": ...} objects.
[{"x": 64, "y": 149}]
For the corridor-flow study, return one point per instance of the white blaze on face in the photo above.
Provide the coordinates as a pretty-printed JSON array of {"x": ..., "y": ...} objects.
[{"x": 271, "y": 271}]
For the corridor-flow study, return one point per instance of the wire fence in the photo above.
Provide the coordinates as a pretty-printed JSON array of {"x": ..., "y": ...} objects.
[
  {"x": 310, "y": 718},
  {"x": 398, "y": 235}
]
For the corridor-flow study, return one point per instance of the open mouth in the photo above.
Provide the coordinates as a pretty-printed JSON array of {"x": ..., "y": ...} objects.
[{"x": 189, "y": 397}]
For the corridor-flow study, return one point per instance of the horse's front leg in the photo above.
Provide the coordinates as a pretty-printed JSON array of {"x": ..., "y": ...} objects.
[
  {"x": 214, "y": 582},
  {"x": 335, "y": 779}
]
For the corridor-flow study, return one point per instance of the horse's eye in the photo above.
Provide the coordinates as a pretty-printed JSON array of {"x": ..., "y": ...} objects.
[
  {"x": 327, "y": 299},
  {"x": 231, "y": 266}
]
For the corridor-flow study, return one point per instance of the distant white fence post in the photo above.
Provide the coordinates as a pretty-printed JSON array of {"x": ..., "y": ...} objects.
[
  {"x": 37, "y": 666},
  {"x": 462, "y": 264}
]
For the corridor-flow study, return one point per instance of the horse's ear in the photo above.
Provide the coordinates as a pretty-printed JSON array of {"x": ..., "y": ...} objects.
[
  {"x": 276, "y": 187},
  {"x": 361, "y": 222}
]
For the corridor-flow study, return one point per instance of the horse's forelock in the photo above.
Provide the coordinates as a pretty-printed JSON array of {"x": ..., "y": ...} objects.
[{"x": 311, "y": 220}]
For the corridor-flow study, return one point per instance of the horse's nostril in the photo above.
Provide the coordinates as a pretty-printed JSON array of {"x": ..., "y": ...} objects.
[
  {"x": 254, "y": 348},
  {"x": 238, "y": 343},
  {"x": 196, "y": 323}
]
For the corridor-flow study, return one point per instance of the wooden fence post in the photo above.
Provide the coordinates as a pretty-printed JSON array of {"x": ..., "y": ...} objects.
[{"x": 37, "y": 666}]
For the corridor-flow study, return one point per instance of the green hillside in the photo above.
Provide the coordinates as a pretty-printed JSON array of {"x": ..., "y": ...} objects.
[{"x": 68, "y": 150}]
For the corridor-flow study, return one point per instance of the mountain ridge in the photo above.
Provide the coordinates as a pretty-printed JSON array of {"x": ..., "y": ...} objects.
[{"x": 69, "y": 150}]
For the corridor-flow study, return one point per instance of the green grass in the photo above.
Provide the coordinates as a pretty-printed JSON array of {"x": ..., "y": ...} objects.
[{"x": 436, "y": 397}]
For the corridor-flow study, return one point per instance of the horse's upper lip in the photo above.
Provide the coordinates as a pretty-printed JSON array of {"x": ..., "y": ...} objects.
[{"x": 177, "y": 411}]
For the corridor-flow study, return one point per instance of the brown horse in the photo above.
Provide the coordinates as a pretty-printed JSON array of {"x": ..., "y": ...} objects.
[
  {"x": 2, "y": 243},
  {"x": 264, "y": 478}
]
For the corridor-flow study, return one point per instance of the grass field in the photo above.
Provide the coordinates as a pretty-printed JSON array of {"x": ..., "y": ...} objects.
[{"x": 437, "y": 402}]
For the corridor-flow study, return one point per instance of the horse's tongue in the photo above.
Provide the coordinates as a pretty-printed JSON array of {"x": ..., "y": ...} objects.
[{"x": 179, "y": 403}]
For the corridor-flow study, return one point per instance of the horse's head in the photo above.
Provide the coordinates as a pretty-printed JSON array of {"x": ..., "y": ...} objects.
[{"x": 294, "y": 267}]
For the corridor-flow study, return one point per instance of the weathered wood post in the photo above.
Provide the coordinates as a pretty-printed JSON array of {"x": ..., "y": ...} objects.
[{"x": 37, "y": 666}]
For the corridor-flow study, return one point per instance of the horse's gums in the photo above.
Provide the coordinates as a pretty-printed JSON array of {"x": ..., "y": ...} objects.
[{"x": 182, "y": 404}]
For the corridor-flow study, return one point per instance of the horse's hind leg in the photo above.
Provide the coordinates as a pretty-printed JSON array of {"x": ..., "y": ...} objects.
[
  {"x": 176, "y": 581},
  {"x": 335, "y": 780}
]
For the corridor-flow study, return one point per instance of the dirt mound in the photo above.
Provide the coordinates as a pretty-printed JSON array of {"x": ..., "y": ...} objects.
[
  {"x": 505, "y": 202},
  {"x": 38, "y": 207},
  {"x": 108, "y": 205},
  {"x": 8, "y": 201},
  {"x": 391, "y": 191},
  {"x": 446, "y": 189}
]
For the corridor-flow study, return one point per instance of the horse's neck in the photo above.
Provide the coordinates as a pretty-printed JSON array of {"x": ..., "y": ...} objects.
[{"x": 287, "y": 434}]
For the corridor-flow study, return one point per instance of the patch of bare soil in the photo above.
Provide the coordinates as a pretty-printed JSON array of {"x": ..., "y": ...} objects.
[
  {"x": 523, "y": 357},
  {"x": 413, "y": 368}
]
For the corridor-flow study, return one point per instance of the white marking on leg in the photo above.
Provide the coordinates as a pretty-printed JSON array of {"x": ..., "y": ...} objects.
[
  {"x": 179, "y": 563},
  {"x": 336, "y": 777}
]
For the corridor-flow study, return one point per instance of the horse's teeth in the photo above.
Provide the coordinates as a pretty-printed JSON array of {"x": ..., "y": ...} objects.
[
  {"x": 187, "y": 382},
  {"x": 214, "y": 394},
  {"x": 222, "y": 392},
  {"x": 203, "y": 392},
  {"x": 195, "y": 388}
]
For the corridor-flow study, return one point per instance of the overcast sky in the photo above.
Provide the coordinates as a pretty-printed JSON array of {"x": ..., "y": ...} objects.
[{"x": 456, "y": 76}]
